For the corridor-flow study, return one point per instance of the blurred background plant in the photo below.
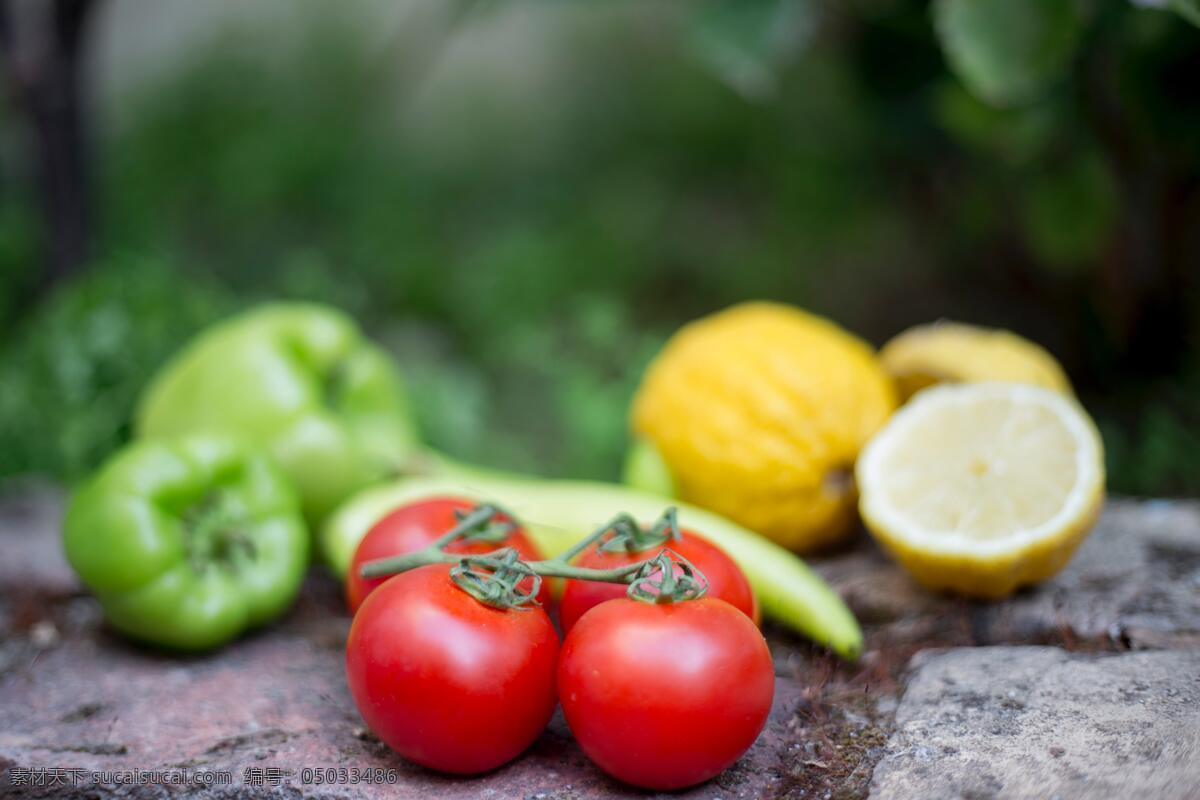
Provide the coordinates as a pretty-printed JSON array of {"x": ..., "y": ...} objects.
[{"x": 523, "y": 199}]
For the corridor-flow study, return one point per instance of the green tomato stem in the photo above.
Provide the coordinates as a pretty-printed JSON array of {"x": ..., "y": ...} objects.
[
  {"x": 619, "y": 522},
  {"x": 628, "y": 536},
  {"x": 496, "y": 578},
  {"x": 476, "y": 525},
  {"x": 551, "y": 568}
]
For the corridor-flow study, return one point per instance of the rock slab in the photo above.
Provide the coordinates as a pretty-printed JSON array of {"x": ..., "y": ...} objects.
[
  {"x": 1134, "y": 583},
  {"x": 82, "y": 711},
  {"x": 270, "y": 716},
  {"x": 1040, "y": 722},
  {"x": 85, "y": 714}
]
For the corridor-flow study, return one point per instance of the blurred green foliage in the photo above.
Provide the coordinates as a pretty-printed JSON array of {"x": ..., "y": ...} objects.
[
  {"x": 1008, "y": 51},
  {"x": 524, "y": 275},
  {"x": 71, "y": 378}
]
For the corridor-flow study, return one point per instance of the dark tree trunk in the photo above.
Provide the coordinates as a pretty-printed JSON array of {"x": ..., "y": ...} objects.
[{"x": 42, "y": 56}]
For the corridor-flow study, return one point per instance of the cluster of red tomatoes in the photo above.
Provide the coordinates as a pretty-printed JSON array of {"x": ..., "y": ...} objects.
[{"x": 659, "y": 695}]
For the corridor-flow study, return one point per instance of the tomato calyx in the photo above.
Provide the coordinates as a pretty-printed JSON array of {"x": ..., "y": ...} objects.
[
  {"x": 622, "y": 533},
  {"x": 629, "y": 537},
  {"x": 486, "y": 523},
  {"x": 495, "y": 579},
  {"x": 667, "y": 578}
]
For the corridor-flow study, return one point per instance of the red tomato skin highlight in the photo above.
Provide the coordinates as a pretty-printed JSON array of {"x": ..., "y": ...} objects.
[
  {"x": 445, "y": 681},
  {"x": 417, "y": 525},
  {"x": 726, "y": 581},
  {"x": 665, "y": 696}
]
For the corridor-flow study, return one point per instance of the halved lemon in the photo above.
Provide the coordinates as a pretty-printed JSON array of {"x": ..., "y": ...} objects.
[{"x": 983, "y": 488}]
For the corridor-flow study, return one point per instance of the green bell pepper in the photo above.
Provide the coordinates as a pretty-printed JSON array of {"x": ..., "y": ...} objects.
[
  {"x": 188, "y": 542},
  {"x": 299, "y": 380}
]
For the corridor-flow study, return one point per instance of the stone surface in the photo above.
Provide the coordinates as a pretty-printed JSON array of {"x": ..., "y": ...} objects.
[
  {"x": 274, "y": 701},
  {"x": 1134, "y": 583},
  {"x": 33, "y": 563},
  {"x": 74, "y": 696},
  {"x": 1039, "y": 722},
  {"x": 80, "y": 705}
]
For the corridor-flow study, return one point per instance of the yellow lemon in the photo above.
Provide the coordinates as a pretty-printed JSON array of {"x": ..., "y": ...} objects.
[
  {"x": 953, "y": 352},
  {"x": 982, "y": 488},
  {"x": 758, "y": 412}
]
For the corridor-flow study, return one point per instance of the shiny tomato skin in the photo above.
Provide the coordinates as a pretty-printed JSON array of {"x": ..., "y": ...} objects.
[
  {"x": 445, "y": 681},
  {"x": 665, "y": 696},
  {"x": 726, "y": 581},
  {"x": 416, "y": 525}
]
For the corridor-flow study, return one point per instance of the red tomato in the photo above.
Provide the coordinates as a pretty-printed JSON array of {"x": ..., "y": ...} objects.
[
  {"x": 416, "y": 526},
  {"x": 665, "y": 696},
  {"x": 725, "y": 579},
  {"x": 446, "y": 681}
]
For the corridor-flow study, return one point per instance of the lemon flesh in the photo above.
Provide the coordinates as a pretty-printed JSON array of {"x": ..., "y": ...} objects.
[
  {"x": 982, "y": 488},
  {"x": 759, "y": 412},
  {"x": 953, "y": 352}
]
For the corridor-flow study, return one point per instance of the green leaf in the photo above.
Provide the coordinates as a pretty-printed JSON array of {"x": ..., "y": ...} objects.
[
  {"x": 1068, "y": 211},
  {"x": 1188, "y": 9},
  {"x": 1008, "y": 52},
  {"x": 743, "y": 42},
  {"x": 1014, "y": 135}
]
